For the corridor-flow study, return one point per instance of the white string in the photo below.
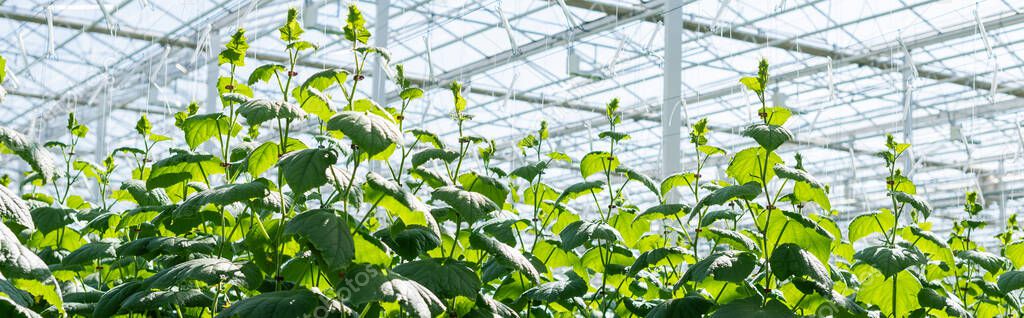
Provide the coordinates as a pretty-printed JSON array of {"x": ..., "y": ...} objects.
[
  {"x": 718, "y": 15},
  {"x": 430, "y": 60},
  {"x": 570, "y": 21},
  {"x": 984, "y": 34},
  {"x": 107, "y": 17},
  {"x": 611, "y": 66},
  {"x": 50, "y": 46},
  {"x": 508, "y": 29},
  {"x": 240, "y": 19},
  {"x": 831, "y": 82},
  {"x": 204, "y": 43}
]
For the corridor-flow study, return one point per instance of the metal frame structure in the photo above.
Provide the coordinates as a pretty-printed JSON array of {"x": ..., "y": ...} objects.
[{"x": 945, "y": 74}]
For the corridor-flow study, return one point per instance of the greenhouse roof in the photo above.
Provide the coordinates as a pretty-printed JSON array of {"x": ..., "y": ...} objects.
[{"x": 849, "y": 70}]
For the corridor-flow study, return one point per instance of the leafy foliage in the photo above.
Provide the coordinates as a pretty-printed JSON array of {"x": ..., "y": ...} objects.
[{"x": 352, "y": 212}]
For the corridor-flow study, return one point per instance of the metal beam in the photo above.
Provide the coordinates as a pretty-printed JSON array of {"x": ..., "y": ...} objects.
[
  {"x": 564, "y": 37},
  {"x": 671, "y": 119}
]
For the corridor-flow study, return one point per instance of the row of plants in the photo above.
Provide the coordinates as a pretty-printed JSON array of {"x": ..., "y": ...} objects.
[{"x": 319, "y": 202}]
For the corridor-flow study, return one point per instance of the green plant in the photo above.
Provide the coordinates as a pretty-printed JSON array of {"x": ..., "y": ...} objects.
[{"x": 276, "y": 221}]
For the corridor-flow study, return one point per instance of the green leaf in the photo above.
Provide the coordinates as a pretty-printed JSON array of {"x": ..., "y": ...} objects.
[
  {"x": 790, "y": 227},
  {"x": 19, "y": 264},
  {"x": 307, "y": 169},
  {"x": 370, "y": 132},
  {"x": 877, "y": 290},
  {"x": 867, "y": 224},
  {"x": 990, "y": 262},
  {"x": 264, "y": 73},
  {"x": 729, "y": 266},
  {"x": 411, "y": 93},
  {"x": 752, "y": 83},
  {"x": 614, "y": 135},
  {"x": 8, "y": 308},
  {"x": 415, "y": 300},
  {"x": 646, "y": 181},
  {"x": 460, "y": 102},
  {"x": 51, "y": 218},
  {"x": 929, "y": 243},
  {"x": 1015, "y": 252},
  {"x": 558, "y": 291},
  {"x": 426, "y": 136},
  {"x": 665, "y": 210},
  {"x": 749, "y": 165},
  {"x": 34, "y": 154},
  {"x": 257, "y": 111},
  {"x": 735, "y": 239},
  {"x": 789, "y": 260},
  {"x": 158, "y": 245},
  {"x": 487, "y": 307},
  {"x": 712, "y": 216},
  {"x": 691, "y": 306},
  {"x": 747, "y": 191},
  {"x": 777, "y": 115},
  {"x": 598, "y": 161},
  {"x": 294, "y": 303},
  {"x": 426, "y": 155},
  {"x": 209, "y": 270},
  {"x": 14, "y": 209},
  {"x": 656, "y": 257},
  {"x": 1011, "y": 281},
  {"x": 583, "y": 188},
  {"x": 181, "y": 167},
  {"x": 92, "y": 251},
  {"x": 411, "y": 242},
  {"x": 798, "y": 175},
  {"x": 200, "y": 128},
  {"x": 805, "y": 192},
  {"x": 493, "y": 188},
  {"x": 328, "y": 236},
  {"x": 110, "y": 303},
  {"x": 770, "y": 137},
  {"x": 506, "y": 255},
  {"x": 470, "y": 206},
  {"x": 530, "y": 171},
  {"x": 262, "y": 158},
  {"x": 930, "y": 298},
  {"x": 580, "y": 232},
  {"x": 446, "y": 280},
  {"x": 235, "y": 50},
  {"x": 147, "y": 300},
  {"x": 677, "y": 180},
  {"x": 914, "y": 201},
  {"x": 753, "y": 308},
  {"x": 890, "y": 260},
  {"x": 355, "y": 26},
  {"x": 291, "y": 30},
  {"x": 222, "y": 196}
]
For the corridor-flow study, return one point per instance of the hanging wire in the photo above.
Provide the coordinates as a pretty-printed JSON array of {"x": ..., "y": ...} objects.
[
  {"x": 50, "y": 46},
  {"x": 508, "y": 29},
  {"x": 570, "y": 20},
  {"x": 724, "y": 4},
  {"x": 107, "y": 17},
  {"x": 430, "y": 60}
]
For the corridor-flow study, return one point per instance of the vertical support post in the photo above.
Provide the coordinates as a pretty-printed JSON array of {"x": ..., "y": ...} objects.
[
  {"x": 100, "y": 151},
  {"x": 671, "y": 119},
  {"x": 908, "y": 111},
  {"x": 212, "y": 75},
  {"x": 380, "y": 39},
  {"x": 1002, "y": 191}
]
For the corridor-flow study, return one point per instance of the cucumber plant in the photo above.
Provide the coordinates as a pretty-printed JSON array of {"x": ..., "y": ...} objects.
[{"x": 316, "y": 201}]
